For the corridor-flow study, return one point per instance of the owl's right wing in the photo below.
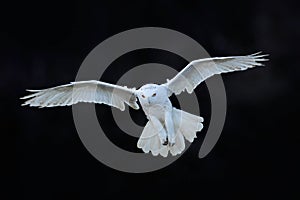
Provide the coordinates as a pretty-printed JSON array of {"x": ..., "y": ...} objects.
[
  {"x": 198, "y": 71},
  {"x": 83, "y": 91}
]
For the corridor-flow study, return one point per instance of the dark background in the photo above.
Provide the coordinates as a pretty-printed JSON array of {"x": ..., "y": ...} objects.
[{"x": 43, "y": 43}]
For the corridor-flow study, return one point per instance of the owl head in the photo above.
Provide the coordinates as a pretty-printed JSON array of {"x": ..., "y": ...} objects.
[{"x": 150, "y": 94}]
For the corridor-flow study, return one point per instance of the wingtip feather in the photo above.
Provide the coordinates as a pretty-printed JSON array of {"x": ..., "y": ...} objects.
[
  {"x": 29, "y": 90},
  {"x": 259, "y": 52}
]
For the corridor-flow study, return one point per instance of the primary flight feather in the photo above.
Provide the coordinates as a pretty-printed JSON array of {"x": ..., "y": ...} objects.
[{"x": 167, "y": 127}]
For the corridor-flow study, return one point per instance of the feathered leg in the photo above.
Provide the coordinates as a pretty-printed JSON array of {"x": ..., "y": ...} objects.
[
  {"x": 159, "y": 129},
  {"x": 170, "y": 127}
]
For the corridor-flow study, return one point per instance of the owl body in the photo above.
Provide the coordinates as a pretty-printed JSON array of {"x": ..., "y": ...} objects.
[
  {"x": 167, "y": 126},
  {"x": 158, "y": 109}
]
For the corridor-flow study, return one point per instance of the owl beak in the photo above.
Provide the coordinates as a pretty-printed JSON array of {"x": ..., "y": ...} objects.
[{"x": 148, "y": 101}]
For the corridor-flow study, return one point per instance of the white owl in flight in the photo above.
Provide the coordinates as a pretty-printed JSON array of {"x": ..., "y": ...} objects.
[{"x": 167, "y": 127}]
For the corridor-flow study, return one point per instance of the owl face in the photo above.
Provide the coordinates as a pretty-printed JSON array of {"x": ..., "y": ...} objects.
[{"x": 151, "y": 94}]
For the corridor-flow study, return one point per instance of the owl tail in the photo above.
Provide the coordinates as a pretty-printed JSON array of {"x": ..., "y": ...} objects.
[{"x": 186, "y": 126}]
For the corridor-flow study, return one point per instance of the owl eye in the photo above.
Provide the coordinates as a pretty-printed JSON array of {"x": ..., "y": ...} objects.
[
  {"x": 143, "y": 96},
  {"x": 154, "y": 94}
]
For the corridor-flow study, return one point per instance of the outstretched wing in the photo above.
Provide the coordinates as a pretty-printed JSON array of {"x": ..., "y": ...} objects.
[
  {"x": 83, "y": 91},
  {"x": 198, "y": 71}
]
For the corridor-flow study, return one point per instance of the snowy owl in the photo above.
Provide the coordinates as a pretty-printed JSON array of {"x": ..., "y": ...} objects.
[{"x": 167, "y": 127}]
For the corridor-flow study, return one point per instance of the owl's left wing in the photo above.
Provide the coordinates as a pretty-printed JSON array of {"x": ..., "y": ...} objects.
[{"x": 198, "y": 71}]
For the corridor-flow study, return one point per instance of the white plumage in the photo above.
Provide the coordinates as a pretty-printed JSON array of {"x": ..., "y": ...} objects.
[{"x": 167, "y": 127}]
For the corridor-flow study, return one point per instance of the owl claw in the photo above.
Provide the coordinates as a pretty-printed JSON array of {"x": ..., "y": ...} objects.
[
  {"x": 163, "y": 137},
  {"x": 171, "y": 144},
  {"x": 165, "y": 142},
  {"x": 171, "y": 140}
]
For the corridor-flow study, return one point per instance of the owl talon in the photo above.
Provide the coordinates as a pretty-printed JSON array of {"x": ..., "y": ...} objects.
[
  {"x": 171, "y": 140},
  {"x": 165, "y": 142},
  {"x": 171, "y": 144}
]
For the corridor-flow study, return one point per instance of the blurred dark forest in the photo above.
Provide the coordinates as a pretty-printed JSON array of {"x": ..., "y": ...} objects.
[{"x": 43, "y": 44}]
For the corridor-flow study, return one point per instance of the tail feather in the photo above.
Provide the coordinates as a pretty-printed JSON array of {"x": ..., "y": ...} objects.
[{"x": 186, "y": 126}]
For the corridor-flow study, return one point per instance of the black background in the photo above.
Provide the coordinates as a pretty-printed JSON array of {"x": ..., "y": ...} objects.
[{"x": 42, "y": 44}]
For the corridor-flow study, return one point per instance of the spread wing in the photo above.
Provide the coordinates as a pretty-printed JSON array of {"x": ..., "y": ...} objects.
[
  {"x": 83, "y": 91},
  {"x": 198, "y": 71}
]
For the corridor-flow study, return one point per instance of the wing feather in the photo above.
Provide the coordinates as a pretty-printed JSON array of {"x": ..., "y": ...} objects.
[
  {"x": 83, "y": 91},
  {"x": 198, "y": 71}
]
